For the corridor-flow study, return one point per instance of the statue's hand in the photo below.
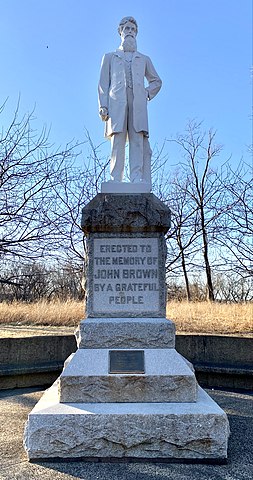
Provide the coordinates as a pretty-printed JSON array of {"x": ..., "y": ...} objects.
[{"x": 103, "y": 113}]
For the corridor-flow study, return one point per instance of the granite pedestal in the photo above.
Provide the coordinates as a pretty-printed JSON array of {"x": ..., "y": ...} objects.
[
  {"x": 126, "y": 392},
  {"x": 173, "y": 431}
]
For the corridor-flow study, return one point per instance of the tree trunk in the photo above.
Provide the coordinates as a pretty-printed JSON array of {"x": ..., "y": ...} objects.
[
  {"x": 183, "y": 262},
  {"x": 187, "y": 285},
  {"x": 210, "y": 291}
]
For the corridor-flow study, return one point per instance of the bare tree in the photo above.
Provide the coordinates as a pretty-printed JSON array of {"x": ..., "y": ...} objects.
[
  {"x": 34, "y": 281},
  {"x": 29, "y": 174},
  {"x": 204, "y": 197},
  {"x": 42, "y": 192},
  {"x": 232, "y": 287},
  {"x": 237, "y": 242},
  {"x": 182, "y": 239}
]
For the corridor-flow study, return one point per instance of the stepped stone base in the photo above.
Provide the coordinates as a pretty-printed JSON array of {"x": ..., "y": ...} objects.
[
  {"x": 167, "y": 378},
  {"x": 175, "y": 431},
  {"x": 126, "y": 392}
]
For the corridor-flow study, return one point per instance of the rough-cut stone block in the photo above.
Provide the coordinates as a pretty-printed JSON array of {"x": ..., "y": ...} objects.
[
  {"x": 126, "y": 333},
  {"x": 115, "y": 213},
  {"x": 167, "y": 378},
  {"x": 147, "y": 430}
]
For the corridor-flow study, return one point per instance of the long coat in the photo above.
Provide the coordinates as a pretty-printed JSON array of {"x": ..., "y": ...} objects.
[{"x": 112, "y": 90}]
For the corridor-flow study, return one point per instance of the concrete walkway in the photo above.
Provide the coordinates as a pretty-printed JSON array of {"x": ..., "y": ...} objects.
[{"x": 16, "y": 404}]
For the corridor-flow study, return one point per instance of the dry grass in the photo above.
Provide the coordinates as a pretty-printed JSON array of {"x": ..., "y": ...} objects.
[
  {"x": 213, "y": 318},
  {"x": 42, "y": 313},
  {"x": 195, "y": 317}
]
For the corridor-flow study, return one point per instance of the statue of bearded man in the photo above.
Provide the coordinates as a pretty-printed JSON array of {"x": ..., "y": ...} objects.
[{"x": 123, "y": 98}]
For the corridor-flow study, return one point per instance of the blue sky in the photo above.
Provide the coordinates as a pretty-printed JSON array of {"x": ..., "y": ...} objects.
[{"x": 51, "y": 52}]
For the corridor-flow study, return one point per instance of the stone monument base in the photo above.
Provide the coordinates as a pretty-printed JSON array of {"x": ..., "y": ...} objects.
[
  {"x": 93, "y": 411},
  {"x": 126, "y": 392},
  {"x": 172, "y": 431}
]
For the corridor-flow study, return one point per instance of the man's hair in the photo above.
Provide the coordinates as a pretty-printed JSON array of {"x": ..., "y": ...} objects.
[{"x": 124, "y": 21}]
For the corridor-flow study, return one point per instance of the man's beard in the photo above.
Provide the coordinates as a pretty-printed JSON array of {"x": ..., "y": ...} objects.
[{"x": 129, "y": 44}]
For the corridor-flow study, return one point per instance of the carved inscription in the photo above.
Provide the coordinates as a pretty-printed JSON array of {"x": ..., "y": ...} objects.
[{"x": 125, "y": 275}]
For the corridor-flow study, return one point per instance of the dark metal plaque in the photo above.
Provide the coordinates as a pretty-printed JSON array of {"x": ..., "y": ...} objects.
[{"x": 126, "y": 361}]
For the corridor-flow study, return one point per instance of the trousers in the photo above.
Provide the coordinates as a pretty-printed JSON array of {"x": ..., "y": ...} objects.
[{"x": 139, "y": 149}]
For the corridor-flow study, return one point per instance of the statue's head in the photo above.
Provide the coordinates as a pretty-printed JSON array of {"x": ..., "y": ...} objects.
[
  {"x": 124, "y": 22},
  {"x": 128, "y": 29}
]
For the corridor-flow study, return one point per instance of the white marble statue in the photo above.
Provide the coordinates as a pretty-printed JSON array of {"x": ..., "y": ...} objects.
[{"x": 123, "y": 99}]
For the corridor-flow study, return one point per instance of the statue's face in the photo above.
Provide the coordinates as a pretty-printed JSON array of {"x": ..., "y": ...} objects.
[{"x": 128, "y": 29}]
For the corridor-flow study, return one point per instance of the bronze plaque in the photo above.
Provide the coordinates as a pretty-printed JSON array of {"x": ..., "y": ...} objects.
[{"x": 126, "y": 361}]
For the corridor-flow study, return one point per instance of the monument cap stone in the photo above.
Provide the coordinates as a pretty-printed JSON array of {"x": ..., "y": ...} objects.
[{"x": 115, "y": 213}]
